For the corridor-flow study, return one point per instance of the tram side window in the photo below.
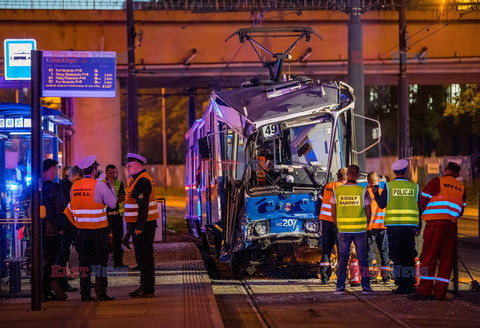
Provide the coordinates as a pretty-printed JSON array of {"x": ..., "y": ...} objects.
[{"x": 240, "y": 166}]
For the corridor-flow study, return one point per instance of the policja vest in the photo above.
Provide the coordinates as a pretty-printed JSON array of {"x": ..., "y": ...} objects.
[
  {"x": 448, "y": 204},
  {"x": 326, "y": 208},
  {"x": 377, "y": 219},
  {"x": 131, "y": 208},
  {"x": 83, "y": 211},
  {"x": 117, "y": 185},
  {"x": 350, "y": 209},
  {"x": 402, "y": 206}
]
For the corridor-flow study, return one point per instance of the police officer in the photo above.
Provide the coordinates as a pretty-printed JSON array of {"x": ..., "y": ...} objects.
[
  {"x": 329, "y": 230},
  {"x": 442, "y": 201},
  {"x": 115, "y": 215},
  {"x": 350, "y": 214},
  {"x": 400, "y": 198},
  {"x": 142, "y": 210},
  {"x": 87, "y": 212}
]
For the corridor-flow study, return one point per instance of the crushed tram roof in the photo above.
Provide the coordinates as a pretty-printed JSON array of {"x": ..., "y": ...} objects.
[{"x": 253, "y": 102}]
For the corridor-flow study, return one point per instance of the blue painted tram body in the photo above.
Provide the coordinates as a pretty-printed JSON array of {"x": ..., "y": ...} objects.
[{"x": 256, "y": 163}]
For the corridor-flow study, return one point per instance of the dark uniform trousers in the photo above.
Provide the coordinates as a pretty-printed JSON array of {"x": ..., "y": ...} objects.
[
  {"x": 49, "y": 254},
  {"x": 380, "y": 238},
  {"x": 329, "y": 239},
  {"x": 143, "y": 244},
  {"x": 401, "y": 246},
  {"x": 92, "y": 248},
  {"x": 115, "y": 226}
]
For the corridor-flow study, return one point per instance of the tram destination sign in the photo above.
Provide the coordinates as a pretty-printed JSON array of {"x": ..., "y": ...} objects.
[{"x": 78, "y": 74}]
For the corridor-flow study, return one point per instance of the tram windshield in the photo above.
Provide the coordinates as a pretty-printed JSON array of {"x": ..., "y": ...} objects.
[{"x": 297, "y": 154}]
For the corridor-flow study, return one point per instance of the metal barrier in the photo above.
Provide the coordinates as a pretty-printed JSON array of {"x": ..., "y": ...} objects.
[
  {"x": 14, "y": 262},
  {"x": 162, "y": 207}
]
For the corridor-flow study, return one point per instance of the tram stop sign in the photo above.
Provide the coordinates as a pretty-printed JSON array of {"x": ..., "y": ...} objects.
[{"x": 17, "y": 58}]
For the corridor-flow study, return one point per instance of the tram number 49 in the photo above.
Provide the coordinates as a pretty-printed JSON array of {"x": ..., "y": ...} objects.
[
  {"x": 287, "y": 223},
  {"x": 270, "y": 131}
]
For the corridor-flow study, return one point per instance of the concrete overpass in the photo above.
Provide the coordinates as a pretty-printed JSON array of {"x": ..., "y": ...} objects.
[
  {"x": 443, "y": 49},
  {"x": 446, "y": 39}
]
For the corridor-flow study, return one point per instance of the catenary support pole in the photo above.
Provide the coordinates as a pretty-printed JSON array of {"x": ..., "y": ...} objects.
[
  {"x": 403, "y": 114},
  {"x": 132, "y": 106},
  {"x": 164, "y": 139},
  {"x": 355, "y": 73},
  {"x": 191, "y": 107}
]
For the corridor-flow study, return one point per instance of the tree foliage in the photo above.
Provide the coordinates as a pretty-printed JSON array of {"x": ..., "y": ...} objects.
[
  {"x": 150, "y": 124},
  {"x": 467, "y": 102},
  {"x": 426, "y": 106}
]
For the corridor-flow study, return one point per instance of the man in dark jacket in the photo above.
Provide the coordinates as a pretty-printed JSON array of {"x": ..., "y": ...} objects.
[
  {"x": 70, "y": 232},
  {"x": 52, "y": 228}
]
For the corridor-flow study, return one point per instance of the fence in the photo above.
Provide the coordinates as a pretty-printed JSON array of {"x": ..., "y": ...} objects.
[
  {"x": 173, "y": 178},
  {"x": 423, "y": 169}
]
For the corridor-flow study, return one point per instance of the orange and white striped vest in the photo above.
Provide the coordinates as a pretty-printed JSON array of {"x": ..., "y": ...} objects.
[
  {"x": 448, "y": 204},
  {"x": 83, "y": 211},
  {"x": 326, "y": 208},
  {"x": 131, "y": 208},
  {"x": 378, "y": 215}
]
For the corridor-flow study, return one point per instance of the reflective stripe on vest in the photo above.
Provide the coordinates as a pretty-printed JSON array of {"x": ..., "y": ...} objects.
[
  {"x": 131, "y": 207},
  {"x": 326, "y": 208},
  {"x": 402, "y": 207},
  {"x": 350, "y": 209},
  {"x": 83, "y": 211},
  {"x": 448, "y": 204},
  {"x": 378, "y": 215}
]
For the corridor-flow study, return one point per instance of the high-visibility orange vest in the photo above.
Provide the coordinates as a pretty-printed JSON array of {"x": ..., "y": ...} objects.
[
  {"x": 326, "y": 208},
  {"x": 263, "y": 166},
  {"x": 131, "y": 208},
  {"x": 448, "y": 204},
  {"x": 377, "y": 219},
  {"x": 83, "y": 211}
]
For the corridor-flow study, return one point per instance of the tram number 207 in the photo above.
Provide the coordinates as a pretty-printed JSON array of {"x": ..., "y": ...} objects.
[{"x": 286, "y": 223}]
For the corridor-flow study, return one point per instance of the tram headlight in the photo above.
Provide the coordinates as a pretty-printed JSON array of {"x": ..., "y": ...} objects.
[
  {"x": 261, "y": 228},
  {"x": 289, "y": 179},
  {"x": 312, "y": 226}
]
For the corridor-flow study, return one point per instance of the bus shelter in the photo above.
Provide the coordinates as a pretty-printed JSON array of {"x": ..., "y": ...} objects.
[{"x": 15, "y": 178}]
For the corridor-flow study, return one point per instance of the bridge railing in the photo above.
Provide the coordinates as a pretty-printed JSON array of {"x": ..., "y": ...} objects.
[{"x": 235, "y": 5}]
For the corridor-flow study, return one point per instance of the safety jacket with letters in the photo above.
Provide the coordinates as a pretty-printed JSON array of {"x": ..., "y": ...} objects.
[
  {"x": 350, "y": 210},
  {"x": 131, "y": 207},
  {"x": 117, "y": 186},
  {"x": 448, "y": 203},
  {"x": 402, "y": 205},
  {"x": 377, "y": 220},
  {"x": 326, "y": 208},
  {"x": 83, "y": 211}
]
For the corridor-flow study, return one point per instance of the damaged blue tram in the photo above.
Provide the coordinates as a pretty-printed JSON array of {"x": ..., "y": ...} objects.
[{"x": 256, "y": 163}]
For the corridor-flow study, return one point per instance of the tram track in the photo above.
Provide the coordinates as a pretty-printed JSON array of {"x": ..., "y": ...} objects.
[{"x": 266, "y": 322}]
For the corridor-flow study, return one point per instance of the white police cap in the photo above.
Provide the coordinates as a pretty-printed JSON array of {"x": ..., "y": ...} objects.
[
  {"x": 399, "y": 165},
  {"x": 88, "y": 162},
  {"x": 131, "y": 157}
]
